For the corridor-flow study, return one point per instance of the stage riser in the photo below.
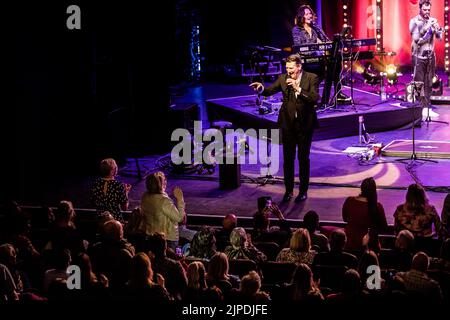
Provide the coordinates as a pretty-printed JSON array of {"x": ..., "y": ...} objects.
[{"x": 333, "y": 124}]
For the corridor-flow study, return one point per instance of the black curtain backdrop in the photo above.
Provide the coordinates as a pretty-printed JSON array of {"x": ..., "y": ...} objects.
[
  {"x": 78, "y": 96},
  {"x": 83, "y": 95}
]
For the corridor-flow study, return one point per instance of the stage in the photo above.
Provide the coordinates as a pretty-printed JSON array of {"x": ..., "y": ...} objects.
[
  {"x": 334, "y": 122},
  {"x": 334, "y": 174}
]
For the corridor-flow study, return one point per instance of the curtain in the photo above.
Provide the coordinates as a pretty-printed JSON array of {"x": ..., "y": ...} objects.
[{"x": 396, "y": 16}]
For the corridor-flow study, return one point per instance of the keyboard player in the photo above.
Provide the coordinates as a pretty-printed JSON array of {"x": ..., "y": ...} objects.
[{"x": 306, "y": 31}]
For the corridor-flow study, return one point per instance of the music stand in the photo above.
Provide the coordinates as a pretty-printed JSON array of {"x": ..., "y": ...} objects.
[
  {"x": 337, "y": 43},
  {"x": 416, "y": 87}
]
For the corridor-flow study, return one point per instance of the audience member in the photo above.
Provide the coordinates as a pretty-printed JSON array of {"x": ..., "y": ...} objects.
[
  {"x": 416, "y": 214},
  {"x": 196, "y": 282},
  {"x": 63, "y": 232},
  {"x": 141, "y": 284},
  {"x": 403, "y": 251},
  {"x": 203, "y": 244},
  {"x": 262, "y": 231},
  {"x": 445, "y": 216},
  {"x": 61, "y": 263},
  {"x": 242, "y": 247},
  {"x": 108, "y": 194},
  {"x": 336, "y": 256},
  {"x": 319, "y": 242},
  {"x": 302, "y": 287},
  {"x": 443, "y": 262},
  {"x": 218, "y": 275},
  {"x": 8, "y": 290},
  {"x": 223, "y": 235},
  {"x": 362, "y": 213},
  {"x": 299, "y": 250},
  {"x": 161, "y": 215},
  {"x": 170, "y": 269},
  {"x": 351, "y": 289},
  {"x": 134, "y": 230},
  {"x": 416, "y": 281},
  {"x": 112, "y": 255},
  {"x": 250, "y": 290},
  {"x": 93, "y": 286}
]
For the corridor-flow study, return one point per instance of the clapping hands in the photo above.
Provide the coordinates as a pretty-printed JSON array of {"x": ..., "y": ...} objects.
[{"x": 178, "y": 193}]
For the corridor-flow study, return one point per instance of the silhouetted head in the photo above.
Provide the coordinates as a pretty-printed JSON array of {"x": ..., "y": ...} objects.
[
  {"x": 420, "y": 262},
  {"x": 338, "y": 240},
  {"x": 229, "y": 222},
  {"x": 404, "y": 241},
  {"x": 311, "y": 221}
]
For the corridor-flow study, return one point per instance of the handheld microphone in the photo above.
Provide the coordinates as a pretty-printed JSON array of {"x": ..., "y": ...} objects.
[{"x": 289, "y": 88}]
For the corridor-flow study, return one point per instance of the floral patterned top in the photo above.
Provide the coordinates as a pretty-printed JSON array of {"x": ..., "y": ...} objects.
[
  {"x": 289, "y": 255},
  {"x": 420, "y": 224},
  {"x": 109, "y": 195}
]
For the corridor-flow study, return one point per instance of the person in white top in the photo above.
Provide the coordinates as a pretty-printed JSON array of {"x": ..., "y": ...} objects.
[{"x": 161, "y": 214}]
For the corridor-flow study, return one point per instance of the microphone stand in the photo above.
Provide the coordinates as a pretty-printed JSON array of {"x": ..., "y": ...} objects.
[{"x": 416, "y": 88}]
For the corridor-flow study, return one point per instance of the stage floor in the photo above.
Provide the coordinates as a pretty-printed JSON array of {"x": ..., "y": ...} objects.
[{"x": 334, "y": 175}]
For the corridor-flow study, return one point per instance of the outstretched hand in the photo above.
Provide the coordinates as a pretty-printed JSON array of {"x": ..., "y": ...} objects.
[{"x": 257, "y": 86}]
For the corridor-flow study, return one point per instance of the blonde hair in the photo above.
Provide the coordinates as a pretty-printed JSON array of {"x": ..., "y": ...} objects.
[
  {"x": 108, "y": 167},
  {"x": 300, "y": 240},
  {"x": 155, "y": 182},
  {"x": 218, "y": 267}
]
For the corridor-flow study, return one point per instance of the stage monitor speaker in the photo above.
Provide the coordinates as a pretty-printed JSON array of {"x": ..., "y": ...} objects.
[{"x": 230, "y": 175}]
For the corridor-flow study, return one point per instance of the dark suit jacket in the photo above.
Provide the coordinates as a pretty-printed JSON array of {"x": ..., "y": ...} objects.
[{"x": 304, "y": 104}]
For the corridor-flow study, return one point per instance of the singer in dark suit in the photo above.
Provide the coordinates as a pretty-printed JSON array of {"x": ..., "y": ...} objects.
[{"x": 297, "y": 120}]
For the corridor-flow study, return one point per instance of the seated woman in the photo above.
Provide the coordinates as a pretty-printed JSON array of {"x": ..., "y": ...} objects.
[
  {"x": 362, "y": 213},
  {"x": 416, "y": 214},
  {"x": 242, "y": 247},
  {"x": 218, "y": 275},
  {"x": 445, "y": 216},
  {"x": 134, "y": 230},
  {"x": 203, "y": 245},
  {"x": 302, "y": 287},
  {"x": 300, "y": 249}
]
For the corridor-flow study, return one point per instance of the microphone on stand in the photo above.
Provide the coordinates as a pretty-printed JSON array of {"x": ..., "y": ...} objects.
[{"x": 319, "y": 30}]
